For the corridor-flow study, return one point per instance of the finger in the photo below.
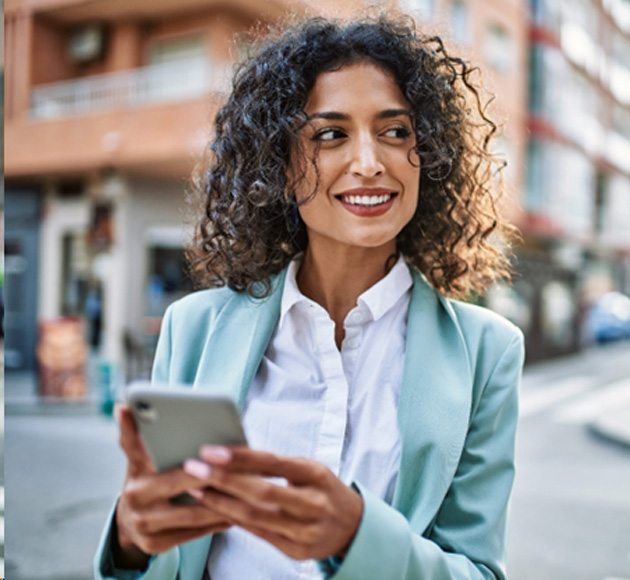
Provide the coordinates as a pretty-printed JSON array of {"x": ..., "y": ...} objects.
[
  {"x": 269, "y": 519},
  {"x": 138, "y": 459},
  {"x": 295, "y": 550},
  {"x": 245, "y": 460},
  {"x": 166, "y": 517},
  {"x": 303, "y": 503},
  {"x": 145, "y": 490},
  {"x": 163, "y": 541}
]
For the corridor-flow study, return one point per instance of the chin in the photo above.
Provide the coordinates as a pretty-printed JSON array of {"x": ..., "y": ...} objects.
[{"x": 372, "y": 241}]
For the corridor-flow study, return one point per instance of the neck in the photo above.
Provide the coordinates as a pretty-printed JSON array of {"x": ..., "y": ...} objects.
[{"x": 335, "y": 277}]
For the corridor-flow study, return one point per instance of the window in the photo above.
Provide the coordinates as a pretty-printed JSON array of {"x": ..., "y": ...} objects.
[
  {"x": 547, "y": 13},
  {"x": 536, "y": 78},
  {"x": 498, "y": 48},
  {"x": 75, "y": 273},
  {"x": 420, "y": 8},
  {"x": 169, "y": 50},
  {"x": 621, "y": 121},
  {"x": 535, "y": 196},
  {"x": 460, "y": 25}
]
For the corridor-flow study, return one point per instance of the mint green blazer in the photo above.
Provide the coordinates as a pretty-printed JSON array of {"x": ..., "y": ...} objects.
[{"x": 457, "y": 418}]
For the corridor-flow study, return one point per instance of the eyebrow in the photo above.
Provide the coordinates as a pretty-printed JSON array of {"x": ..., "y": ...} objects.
[{"x": 336, "y": 116}]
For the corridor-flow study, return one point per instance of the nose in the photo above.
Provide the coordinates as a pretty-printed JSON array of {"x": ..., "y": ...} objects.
[{"x": 366, "y": 160}]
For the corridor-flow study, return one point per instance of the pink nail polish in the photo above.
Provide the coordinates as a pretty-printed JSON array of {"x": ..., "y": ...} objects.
[
  {"x": 197, "y": 468},
  {"x": 215, "y": 454}
]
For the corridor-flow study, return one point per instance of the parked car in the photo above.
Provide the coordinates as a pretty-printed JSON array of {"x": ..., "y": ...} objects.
[{"x": 608, "y": 319}]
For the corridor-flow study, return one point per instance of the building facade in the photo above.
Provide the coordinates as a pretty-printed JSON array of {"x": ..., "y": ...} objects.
[
  {"x": 109, "y": 106},
  {"x": 577, "y": 189}
]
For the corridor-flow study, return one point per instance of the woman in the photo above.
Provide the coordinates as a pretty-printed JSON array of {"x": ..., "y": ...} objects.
[{"x": 351, "y": 191}]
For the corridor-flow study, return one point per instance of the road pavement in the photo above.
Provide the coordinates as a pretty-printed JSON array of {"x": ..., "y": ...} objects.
[{"x": 570, "y": 514}]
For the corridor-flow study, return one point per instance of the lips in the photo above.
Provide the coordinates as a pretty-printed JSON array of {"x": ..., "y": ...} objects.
[{"x": 367, "y": 202}]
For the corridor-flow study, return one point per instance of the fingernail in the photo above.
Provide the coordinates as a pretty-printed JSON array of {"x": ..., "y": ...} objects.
[
  {"x": 196, "y": 493},
  {"x": 215, "y": 454},
  {"x": 197, "y": 468}
]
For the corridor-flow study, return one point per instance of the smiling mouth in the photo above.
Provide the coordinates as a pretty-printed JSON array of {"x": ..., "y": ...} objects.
[{"x": 366, "y": 200}]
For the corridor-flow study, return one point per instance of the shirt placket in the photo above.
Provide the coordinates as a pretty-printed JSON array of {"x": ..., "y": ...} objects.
[{"x": 333, "y": 426}]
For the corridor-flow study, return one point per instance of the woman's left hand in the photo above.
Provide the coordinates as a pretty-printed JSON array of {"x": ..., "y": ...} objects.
[{"x": 315, "y": 516}]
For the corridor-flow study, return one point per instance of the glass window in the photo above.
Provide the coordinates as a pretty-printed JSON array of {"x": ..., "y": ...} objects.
[
  {"x": 168, "y": 280},
  {"x": 621, "y": 121},
  {"x": 168, "y": 50},
  {"x": 615, "y": 209},
  {"x": 499, "y": 48},
  {"x": 547, "y": 13},
  {"x": 75, "y": 273},
  {"x": 535, "y": 196},
  {"x": 536, "y": 78},
  {"x": 421, "y": 8},
  {"x": 460, "y": 25}
]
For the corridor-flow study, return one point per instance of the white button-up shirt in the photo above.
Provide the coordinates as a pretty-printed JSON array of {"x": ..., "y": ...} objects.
[{"x": 338, "y": 407}]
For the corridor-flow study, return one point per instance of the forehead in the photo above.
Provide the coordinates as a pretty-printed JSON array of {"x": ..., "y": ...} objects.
[{"x": 359, "y": 87}]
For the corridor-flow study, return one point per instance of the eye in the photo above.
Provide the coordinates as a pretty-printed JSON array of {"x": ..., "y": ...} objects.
[
  {"x": 328, "y": 134},
  {"x": 398, "y": 132}
]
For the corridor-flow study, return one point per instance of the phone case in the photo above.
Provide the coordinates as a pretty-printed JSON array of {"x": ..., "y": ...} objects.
[{"x": 174, "y": 422}]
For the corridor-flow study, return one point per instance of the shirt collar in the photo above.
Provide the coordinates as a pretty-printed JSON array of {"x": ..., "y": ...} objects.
[
  {"x": 387, "y": 292},
  {"x": 291, "y": 294},
  {"x": 378, "y": 299}
]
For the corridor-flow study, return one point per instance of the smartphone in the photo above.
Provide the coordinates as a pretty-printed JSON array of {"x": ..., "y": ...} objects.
[{"x": 175, "y": 421}]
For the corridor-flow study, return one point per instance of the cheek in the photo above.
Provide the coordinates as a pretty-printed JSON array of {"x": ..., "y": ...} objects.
[{"x": 308, "y": 181}]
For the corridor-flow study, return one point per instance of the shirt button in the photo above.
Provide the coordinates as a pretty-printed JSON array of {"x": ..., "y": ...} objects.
[
  {"x": 356, "y": 317},
  {"x": 352, "y": 342}
]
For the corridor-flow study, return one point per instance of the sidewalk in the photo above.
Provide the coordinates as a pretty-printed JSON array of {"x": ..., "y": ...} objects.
[
  {"x": 614, "y": 426},
  {"x": 21, "y": 395}
]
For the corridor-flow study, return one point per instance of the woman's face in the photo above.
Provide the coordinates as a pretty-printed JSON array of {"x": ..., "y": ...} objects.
[{"x": 360, "y": 135}]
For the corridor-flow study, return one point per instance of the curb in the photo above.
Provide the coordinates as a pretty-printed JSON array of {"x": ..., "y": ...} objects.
[
  {"x": 31, "y": 406},
  {"x": 613, "y": 429}
]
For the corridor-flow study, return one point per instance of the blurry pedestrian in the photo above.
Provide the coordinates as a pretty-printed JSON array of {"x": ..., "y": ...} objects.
[
  {"x": 94, "y": 313},
  {"x": 348, "y": 203}
]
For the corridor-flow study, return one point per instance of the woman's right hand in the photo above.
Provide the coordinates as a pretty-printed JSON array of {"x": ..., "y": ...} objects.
[{"x": 146, "y": 521}]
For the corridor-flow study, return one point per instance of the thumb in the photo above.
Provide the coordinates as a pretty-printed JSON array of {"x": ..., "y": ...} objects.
[{"x": 138, "y": 460}]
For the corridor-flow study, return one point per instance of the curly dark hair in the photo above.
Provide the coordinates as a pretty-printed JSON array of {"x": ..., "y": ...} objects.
[{"x": 249, "y": 228}]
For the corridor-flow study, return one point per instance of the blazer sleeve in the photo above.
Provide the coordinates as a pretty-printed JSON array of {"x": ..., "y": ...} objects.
[
  {"x": 467, "y": 536},
  {"x": 163, "y": 566}
]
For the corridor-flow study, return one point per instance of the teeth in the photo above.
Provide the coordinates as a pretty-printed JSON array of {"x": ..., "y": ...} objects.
[{"x": 368, "y": 200}]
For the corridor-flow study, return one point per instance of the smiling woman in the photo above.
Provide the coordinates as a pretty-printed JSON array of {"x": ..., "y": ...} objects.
[
  {"x": 259, "y": 137},
  {"x": 349, "y": 196},
  {"x": 362, "y": 148}
]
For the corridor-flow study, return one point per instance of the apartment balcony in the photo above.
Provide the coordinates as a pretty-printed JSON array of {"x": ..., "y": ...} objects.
[
  {"x": 161, "y": 83},
  {"x": 153, "y": 120}
]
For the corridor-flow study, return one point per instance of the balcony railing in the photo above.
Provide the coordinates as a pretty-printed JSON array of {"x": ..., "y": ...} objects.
[{"x": 173, "y": 81}]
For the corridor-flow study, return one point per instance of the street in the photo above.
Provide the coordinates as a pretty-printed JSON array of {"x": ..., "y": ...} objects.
[{"x": 570, "y": 514}]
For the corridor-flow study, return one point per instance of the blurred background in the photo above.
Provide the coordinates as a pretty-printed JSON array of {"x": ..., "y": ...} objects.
[{"x": 108, "y": 105}]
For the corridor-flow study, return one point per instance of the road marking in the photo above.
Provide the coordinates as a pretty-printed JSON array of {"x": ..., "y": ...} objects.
[
  {"x": 540, "y": 399},
  {"x": 606, "y": 398}
]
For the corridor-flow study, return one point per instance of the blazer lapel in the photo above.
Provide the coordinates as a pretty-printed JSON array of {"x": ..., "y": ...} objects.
[
  {"x": 434, "y": 405},
  {"x": 237, "y": 342},
  {"x": 233, "y": 351}
]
